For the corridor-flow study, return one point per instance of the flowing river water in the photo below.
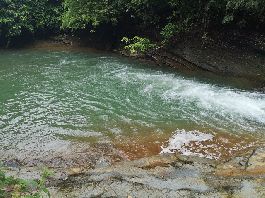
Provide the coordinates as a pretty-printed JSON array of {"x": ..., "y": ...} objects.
[{"x": 49, "y": 99}]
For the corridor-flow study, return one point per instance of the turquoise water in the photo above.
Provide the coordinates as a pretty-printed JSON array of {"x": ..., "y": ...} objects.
[{"x": 48, "y": 98}]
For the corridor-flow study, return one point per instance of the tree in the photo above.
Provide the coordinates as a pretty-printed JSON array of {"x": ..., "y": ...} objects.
[{"x": 28, "y": 17}]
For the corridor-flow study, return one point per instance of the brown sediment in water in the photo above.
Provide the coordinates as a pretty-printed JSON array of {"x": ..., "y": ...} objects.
[
  {"x": 222, "y": 146},
  {"x": 139, "y": 146}
]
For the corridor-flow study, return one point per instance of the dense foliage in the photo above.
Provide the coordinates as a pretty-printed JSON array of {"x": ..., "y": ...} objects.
[
  {"x": 159, "y": 19},
  {"x": 78, "y": 14},
  {"x": 28, "y": 17},
  {"x": 240, "y": 13}
]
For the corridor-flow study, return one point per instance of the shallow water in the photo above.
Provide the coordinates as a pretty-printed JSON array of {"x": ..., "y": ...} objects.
[{"x": 50, "y": 98}]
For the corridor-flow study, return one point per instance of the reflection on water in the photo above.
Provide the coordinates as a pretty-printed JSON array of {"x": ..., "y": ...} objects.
[{"x": 50, "y": 98}]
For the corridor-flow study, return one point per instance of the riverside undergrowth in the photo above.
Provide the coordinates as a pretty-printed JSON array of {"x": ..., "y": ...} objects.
[{"x": 11, "y": 187}]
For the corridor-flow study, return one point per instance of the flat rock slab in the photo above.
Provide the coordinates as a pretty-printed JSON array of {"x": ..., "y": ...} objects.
[
  {"x": 165, "y": 176},
  {"x": 159, "y": 176}
]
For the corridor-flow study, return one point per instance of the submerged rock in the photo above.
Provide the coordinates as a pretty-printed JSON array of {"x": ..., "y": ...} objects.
[
  {"x": 252, "y": 164},
  {"x": 256, "y": 163}
]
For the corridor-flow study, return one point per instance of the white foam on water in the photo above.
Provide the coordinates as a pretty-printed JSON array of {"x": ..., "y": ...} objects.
[
  {"x": 202, "y": 144},
  {"x": 182, "y": 138},
  {"x": 227, "y": 106},
  {"x": 223, "y": 100}
]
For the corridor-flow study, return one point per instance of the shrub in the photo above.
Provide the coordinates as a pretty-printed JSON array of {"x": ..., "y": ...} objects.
[
  {"x": 138, "y": 45},
  {"x": 20, "y": 188},
  {"x": 170, "y": 30}
]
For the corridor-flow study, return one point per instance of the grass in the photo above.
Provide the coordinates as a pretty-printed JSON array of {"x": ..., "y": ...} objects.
[{"x": 11, "y": 187}]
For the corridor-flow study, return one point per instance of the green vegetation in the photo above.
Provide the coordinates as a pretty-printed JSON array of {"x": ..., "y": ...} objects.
[
  {"x": 28, "y": 18},
  {"x": 209, "y": 13},
  {"x": 80, "y": 14},
  {"x": 138, "y": 45},
  {"x": 20, "y": 188},
  {"x": 159, "y": 20}
]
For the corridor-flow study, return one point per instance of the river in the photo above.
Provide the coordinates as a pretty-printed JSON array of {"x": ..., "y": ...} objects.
[{"x": 49, "y": 99}]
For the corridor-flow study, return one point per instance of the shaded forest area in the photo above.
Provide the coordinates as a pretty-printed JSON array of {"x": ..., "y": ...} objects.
[{"x": 161, "y": 21}]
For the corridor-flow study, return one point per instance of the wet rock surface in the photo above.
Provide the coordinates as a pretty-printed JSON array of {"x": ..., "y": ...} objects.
[
  {"x": 230, "y": 57},
  {"x": 103, "y": 169},
  {"x": 80, "y": 155},
  {"x": 165, "y": 176},
  {"x": 170, "y": 175}
]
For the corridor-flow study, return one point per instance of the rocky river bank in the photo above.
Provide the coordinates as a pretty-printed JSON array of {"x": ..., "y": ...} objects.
[
  {"x": 170, "y": 175},
  {"x": 241, "y": 56},
  {"x": 103, "y": 170}
]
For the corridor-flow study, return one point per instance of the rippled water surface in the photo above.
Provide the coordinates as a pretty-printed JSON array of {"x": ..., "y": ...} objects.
[{"x": 48, "y": 99}]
